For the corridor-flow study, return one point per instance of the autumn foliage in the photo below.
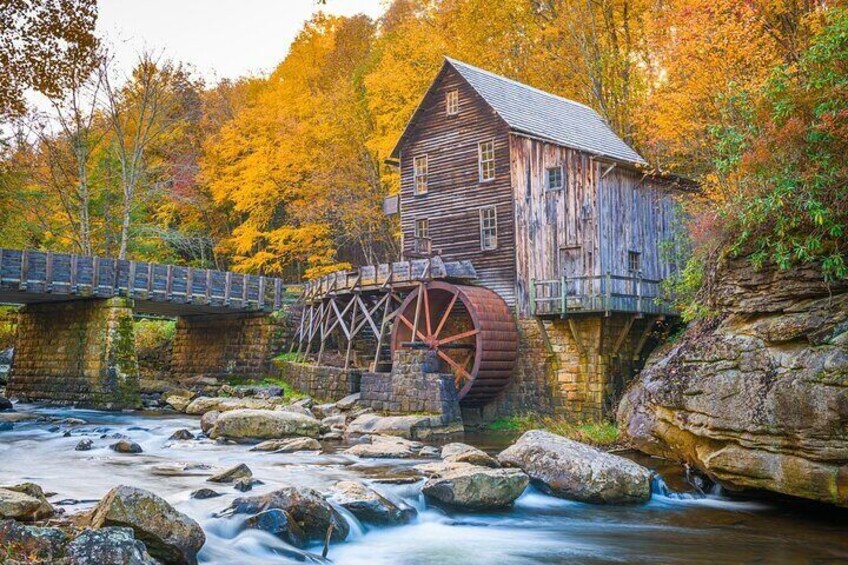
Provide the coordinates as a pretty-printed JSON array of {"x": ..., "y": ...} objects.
[{"x": 286, "y": 174}]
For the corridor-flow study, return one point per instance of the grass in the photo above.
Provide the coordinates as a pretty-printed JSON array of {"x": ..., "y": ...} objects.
[
  {"x": 288, "y": 391},
  {"x": 291, "y": 357},
  {"x": 600, "y": 434}
]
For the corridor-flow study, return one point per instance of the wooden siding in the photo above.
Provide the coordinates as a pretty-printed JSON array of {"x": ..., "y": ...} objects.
[
  {"x": 635, "y": 214},
  {"x": 548, "y": 221},
  {"x": 595, "y": 220},
  {"x": 454, "y": 192}
]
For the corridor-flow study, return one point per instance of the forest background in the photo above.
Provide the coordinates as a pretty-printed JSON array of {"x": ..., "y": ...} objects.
[{"x": 285, "y": 174}]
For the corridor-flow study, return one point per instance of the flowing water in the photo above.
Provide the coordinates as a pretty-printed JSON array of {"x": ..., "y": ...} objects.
[{"x": 675, "y": 527}]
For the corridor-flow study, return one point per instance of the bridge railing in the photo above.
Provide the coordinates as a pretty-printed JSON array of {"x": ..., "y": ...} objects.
[{"x": 63, "y": 273}]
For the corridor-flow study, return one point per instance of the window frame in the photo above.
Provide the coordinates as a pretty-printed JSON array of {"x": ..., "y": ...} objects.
[
  {"x": 634, "y": 257},
  {"x": 452, "y": 102},
  {"x": 418, "y": 238},
  {"x": 417, "y": 174},
  {"x": 481, "y": 161},
  {"x": 493, "y": 228},
  {"x": 548, "y": 171}
]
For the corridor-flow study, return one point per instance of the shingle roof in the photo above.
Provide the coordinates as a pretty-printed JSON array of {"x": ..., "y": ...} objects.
[{"x": 540, "y": 114}]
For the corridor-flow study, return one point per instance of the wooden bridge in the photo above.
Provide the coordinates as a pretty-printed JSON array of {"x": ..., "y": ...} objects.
[
  {"x": 75, "y": 340},
  {"x": 28, "y": 277}
]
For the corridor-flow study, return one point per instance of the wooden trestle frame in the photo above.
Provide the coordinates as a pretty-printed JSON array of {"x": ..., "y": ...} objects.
[{"x": 347, "y": 303}]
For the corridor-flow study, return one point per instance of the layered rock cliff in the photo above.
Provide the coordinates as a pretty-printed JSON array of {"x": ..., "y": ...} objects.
[{"x": 758, "y": 396}]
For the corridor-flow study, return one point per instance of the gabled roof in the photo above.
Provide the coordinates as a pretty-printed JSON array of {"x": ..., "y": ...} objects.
[{"x": 540, "y": 114}]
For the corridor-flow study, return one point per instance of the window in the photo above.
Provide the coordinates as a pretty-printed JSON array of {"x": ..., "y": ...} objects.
[
  {"x": 487, "y": 160},
  {"x": 488, "y": 228},
  {"x": 419, "y": 166},
  {"x": 421, "y": 241},
  {"x": 634, "y": 261},
  {"x": 554, "y": 178},
  {"x": 452, "y": 102}
]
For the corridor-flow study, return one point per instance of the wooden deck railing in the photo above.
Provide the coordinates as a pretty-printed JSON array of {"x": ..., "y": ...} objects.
[
  {"x": 601, "y": 293},
  {"x": 36, "y": 272}
]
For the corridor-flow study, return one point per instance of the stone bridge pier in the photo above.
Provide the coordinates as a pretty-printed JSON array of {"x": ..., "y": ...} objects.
[
  {"x": 82, "y": 352},
  {"x": 78, "y": 352}
]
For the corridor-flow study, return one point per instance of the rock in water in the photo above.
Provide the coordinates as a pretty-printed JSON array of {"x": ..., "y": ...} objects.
[
  {"x": 349, "y": 402},
  {"x": 25, "y": 501},
  {"x": 126, "y": 446},
  {"x": 288, "y": 445},
  {"x": 310, "y": 511},
  {"x": 243, "y": 484},
  {"x": 43, "y": 545},
  {"x": 206, "y": 404},
  {"x": 570, "y": 469},
  {"x": 240, "y": 471},
  {"x": 263, "y": 424},
  {"x": 757, "y": 397},
  {"x": 182, "y": 435},
  {"x": 84, "y": 445},
  {"x": 204, "y": 493},
  {"x": 474, "y": 487},
  {"x": 207, "y": 421},
  {"x": 169, "y": 535},
  {"x": 370, "y": 506},
  {"x": 278, "y": 523},
  {"x": 107, "y": 545},
  {"x": 385, "y": 447},
  {"x": 463, "y": 453},
  {"x": 5, "y": 404}
]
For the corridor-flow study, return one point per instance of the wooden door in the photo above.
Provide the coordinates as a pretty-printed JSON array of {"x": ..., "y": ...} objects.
[{"x": 571, "y": 267}]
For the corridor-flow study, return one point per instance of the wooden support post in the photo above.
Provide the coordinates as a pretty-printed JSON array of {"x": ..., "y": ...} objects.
[
  {"x": 131, "y": 280},
  {"x": 386, "y": 310},
  {"x": 208, "y": 286},
  {"x": 245, "y": 282},
  {"x": 608, "y": 300},
  {"x": 324, "y": 334},
  {"x": 278, "y": 294},
  {"x": 228, "y": 287},
  {"x": 577, "y": 342},
  {"x": 261, "y": 292},
  {"x": 169, "y": 282},
  {"x": 563, "y": 307},
  {"x": 22, "y": 282},
  {"x": 299, "y": 335},
  {"x": 189, "y": 292},
  {"x": 643, "y": 339},
  {"x": 72, "y": 281},
  {"x": 150, "y": 280},
  {"x": 419, "y": 301},
  {"x": 621, "y": 336},
  {"x": 352, "y": 333},
  {"x": 48, "y": 272},
  {"x": 95, "y": 274}
]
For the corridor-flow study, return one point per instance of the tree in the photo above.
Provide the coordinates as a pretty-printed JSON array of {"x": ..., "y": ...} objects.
[{"x": 44, "y": 45}]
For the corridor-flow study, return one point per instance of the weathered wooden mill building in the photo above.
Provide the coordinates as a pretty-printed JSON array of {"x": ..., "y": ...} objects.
[{"x": 562, "y": 226}]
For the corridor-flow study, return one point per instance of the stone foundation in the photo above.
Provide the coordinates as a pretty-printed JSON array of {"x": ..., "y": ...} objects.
[
  {"x": 577, "y": 374},
  {"x": 412, "y": 387},
  {"x": 321, "y": 382},
  {"x": 212, "y": 349},
  {"x": 78, "y": 352}
]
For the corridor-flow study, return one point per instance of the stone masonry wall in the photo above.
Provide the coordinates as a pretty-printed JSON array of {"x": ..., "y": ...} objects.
[
  {"x": 553, "y": 378},
  {"x": 214, "y": 348},
  {"x": 78, "y": 352},
  {"x": 412, "y": 386},
  {"x": 321, "y": 382}
]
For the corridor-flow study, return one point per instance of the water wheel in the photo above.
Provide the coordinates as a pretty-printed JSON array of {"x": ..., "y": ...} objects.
[{"x": 471, "y": 330}]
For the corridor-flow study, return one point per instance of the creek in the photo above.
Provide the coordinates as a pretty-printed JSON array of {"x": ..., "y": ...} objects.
[{"x": 676, "y": 526}]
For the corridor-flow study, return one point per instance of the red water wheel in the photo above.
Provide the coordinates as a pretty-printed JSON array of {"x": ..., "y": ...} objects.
[{"x": 471, "y": 330}]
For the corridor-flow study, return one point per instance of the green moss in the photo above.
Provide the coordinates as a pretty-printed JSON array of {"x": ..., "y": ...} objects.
[
  {"x": 290, "y": 357},
  {"x": 601, "y": 434},
  {"x": 288, "y": 391}
]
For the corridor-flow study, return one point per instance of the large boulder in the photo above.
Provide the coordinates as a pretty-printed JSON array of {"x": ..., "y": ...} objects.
[
  {"x": 263, "y": 424},
  {"x": 313, "y": 515},
  {"x": 240, "y": 471},
  {"x": 178, "y": 399},
  {"x": 42, "y": 545},
  {"x": 289, "y": 445},
  {"x": 415, "y": 426},
  {"x": 384, "y": 447},
  {"x": 756, "y": 397},
  {"x": 370, "y": 506},
  {"x": 278, "y": 523},
  {"x": 206, "y": 404},
  {"x": 473, "y": 487},
  {"x": 107, "y": 545},
  {"x": 464, "y": 453},
  {"x": 207, "y": 421},
  {"x": 169, "y": 535},
  {"x": 24, "y": 502},
  {"x": 570, "y": 469}
]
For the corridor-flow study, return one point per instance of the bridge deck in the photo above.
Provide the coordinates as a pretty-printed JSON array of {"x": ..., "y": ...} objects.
[{"x": 33, "y": 276}]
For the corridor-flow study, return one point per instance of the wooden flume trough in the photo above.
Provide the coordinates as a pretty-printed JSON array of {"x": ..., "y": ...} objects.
[{"x": 422, "y": 303}]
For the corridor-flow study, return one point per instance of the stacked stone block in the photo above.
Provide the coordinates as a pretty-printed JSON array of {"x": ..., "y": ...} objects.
[
  {"x": 212, "y": 349},
  {"x": 77, "y": 352},
  {"x": 320, "y": 382},
  {"x": 413, "y": 386}
]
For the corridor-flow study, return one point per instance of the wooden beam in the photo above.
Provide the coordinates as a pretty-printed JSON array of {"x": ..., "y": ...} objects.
[
  {"x": 580, "y": 348},
  {"x": 643, "y": 339},
  {"x": 622, "y": 335}
]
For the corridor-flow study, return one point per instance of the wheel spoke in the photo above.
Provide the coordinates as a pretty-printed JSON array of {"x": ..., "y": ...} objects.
[
  {"x": 459, "y": 368},
  {"x": 457, "y": 337},
  {"x": 445, "y": 315},
  {"x": 403, "y": 319}
]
